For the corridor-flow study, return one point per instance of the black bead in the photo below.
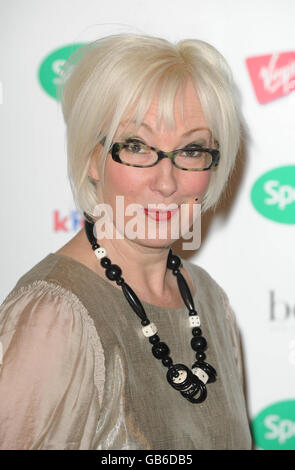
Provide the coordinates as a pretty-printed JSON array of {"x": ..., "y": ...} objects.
[
  {"x": 185, "y": 292},
  {"x": 198, "y": 343},
  {"x": 176, "y": 271},
  {"x": 133, "y": 301},
  {"x": 175, "y": 373},
  {"x": 95, "y": 246},
  {"x": 154, "y": 339},
  {"x": 167, "y": 361},
  {"x": 160, "y": 350},
  {"x": 120, "y": 281},
  {"x": 113, "y": 272},
  {"x": 105, "y": 262},
  {"x": 145, "y": 322},
  {"x": 200, "y": 356},
  {"x": 192, "y": 313},
  {"x": 173, "y": 262},
  {"x": 197, "y": 331}
]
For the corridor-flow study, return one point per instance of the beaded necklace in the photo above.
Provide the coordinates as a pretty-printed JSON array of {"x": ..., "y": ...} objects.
[{"x": 189, "y": 382}]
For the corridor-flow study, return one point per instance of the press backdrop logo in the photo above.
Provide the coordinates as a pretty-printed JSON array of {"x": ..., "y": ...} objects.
[
  {"x": 67, "y": 223},
  {"x": 52, "y": 67},
  {"x": 274, "y": 427},
  {"x": 272, "y": 75},
  {"x": 273, "y": 195}
]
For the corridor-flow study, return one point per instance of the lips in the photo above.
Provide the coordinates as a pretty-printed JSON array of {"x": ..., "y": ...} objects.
[{"x": 159, "y": 215}]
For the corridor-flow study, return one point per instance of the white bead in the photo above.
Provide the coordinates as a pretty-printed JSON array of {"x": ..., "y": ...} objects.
[
  {"x": 182, "y": 375},
  {"x": 149, "y": 330},
  {"x": 100, "y": 252},
  {"x": 200, "y": 374},
  {"x": 194, "y": 320}
]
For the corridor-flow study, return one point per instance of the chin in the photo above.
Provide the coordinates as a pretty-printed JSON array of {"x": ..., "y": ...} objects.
[{"x": 154, "y": 243}]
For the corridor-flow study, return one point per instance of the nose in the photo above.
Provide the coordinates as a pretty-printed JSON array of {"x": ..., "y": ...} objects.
[{"x": 164, "y": 178}]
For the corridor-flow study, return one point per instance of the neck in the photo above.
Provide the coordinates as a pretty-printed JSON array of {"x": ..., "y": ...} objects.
[{"x": 143, "y": 268}]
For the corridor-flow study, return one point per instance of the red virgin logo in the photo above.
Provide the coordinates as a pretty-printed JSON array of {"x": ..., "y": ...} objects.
[{"x": 273, "y": 75}]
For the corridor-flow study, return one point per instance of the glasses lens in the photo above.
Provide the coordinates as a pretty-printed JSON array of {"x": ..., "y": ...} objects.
[
  {"x": 193, "y": 159},
  {"x": 135, "y": 153}
]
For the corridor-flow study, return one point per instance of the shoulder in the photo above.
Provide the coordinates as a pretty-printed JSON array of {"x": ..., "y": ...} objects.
[
  {"x": 37, "y": 301},
  {"x": 44, "y": 316},
  {"x": 50, "y": 284},
  {"x": 210, "y": 287},
  {"x": 204, "y": 281},
  {"x": 44, "y": 303}
]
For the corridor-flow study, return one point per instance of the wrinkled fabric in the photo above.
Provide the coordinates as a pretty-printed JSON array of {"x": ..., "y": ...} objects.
[
  {"x": 77, "y": 372},
  {"x": 48, "y": 397}
]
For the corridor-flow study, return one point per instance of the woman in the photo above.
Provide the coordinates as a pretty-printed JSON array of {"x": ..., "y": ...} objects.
[{"x": 104, "y": 341}]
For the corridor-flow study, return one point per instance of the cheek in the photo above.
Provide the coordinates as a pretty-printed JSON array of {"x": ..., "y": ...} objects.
[
  {"x": 121, "y": 180},
  {"x": 196, "y": 183}
]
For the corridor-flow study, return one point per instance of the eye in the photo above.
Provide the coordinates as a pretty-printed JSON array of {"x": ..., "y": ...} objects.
[
  {"x": 192, "y": 151},
  {"x": 134, "y": 146}
]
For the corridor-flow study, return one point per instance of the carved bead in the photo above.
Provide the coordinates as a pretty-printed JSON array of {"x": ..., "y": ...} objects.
[
  {"x": 194, "y": 321},
  {"x": 149, "y": 330},
  {"x": 100, "y": 252},
  {"x": 200, "y": 374}
]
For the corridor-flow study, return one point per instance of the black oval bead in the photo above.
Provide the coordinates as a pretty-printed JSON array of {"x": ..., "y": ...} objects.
[
  {"x": 198, "y": 343},
  {"x": 160, "y": 350},
  {"x": 175, "y": 272},
  {"x": 154, "y": 339},
  {"x": 89, "y": 227},
  {"x": 197, "y": 331},
  {"x": 105, "y": 262},
  {"x": 95, "y": 246},
  {"x": 167, "y": 361},
  {"x": 134, "y": 301},
  {"x": 200, "y": 356},
  {"x": 185, "y": 292},
  {"x": 145, "y": 322},
  {"x": 173, "y": 262}
]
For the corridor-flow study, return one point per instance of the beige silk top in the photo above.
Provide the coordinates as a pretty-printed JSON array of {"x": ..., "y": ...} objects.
[{"x": 76, "y": 371}]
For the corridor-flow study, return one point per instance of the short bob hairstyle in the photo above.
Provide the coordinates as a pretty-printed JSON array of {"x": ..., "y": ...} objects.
[{"x": 114, "y": 75}]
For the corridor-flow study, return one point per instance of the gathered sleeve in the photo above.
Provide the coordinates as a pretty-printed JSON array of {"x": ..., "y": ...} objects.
[{"x": 51, "y": 370}]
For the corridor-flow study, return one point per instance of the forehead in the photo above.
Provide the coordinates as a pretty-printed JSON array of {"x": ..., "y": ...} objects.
[{"x": 187, "y": 114}]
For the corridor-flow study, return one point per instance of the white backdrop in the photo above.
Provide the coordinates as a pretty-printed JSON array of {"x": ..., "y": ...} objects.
[{"x": 247, "y": 251}]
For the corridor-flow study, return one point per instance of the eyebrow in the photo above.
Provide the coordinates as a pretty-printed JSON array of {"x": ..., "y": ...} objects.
[{"x": 144, "y": 124}]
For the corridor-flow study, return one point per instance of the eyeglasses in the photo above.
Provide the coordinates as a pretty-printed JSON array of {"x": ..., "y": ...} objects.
[{"x": 193, "y": 157}]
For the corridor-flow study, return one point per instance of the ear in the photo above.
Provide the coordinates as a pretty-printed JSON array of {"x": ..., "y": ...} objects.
[{"x": 93, "y": 169}]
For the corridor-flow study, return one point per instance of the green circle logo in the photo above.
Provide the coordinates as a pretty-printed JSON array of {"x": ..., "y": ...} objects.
[
  {"x": 273, "y": 195},
  {"x": 51, "y": 69},
  {"x": 274, "y": 427}
]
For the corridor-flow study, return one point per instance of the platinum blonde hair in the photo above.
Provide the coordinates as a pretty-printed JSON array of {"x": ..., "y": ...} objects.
[{"x": 108, "y": 78}]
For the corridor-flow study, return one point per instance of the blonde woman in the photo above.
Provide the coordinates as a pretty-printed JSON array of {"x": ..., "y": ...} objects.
[{"x": 112, "y": 342}]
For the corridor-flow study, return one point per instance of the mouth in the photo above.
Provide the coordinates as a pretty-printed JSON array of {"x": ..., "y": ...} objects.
[{"x": 159, "y": 215}]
